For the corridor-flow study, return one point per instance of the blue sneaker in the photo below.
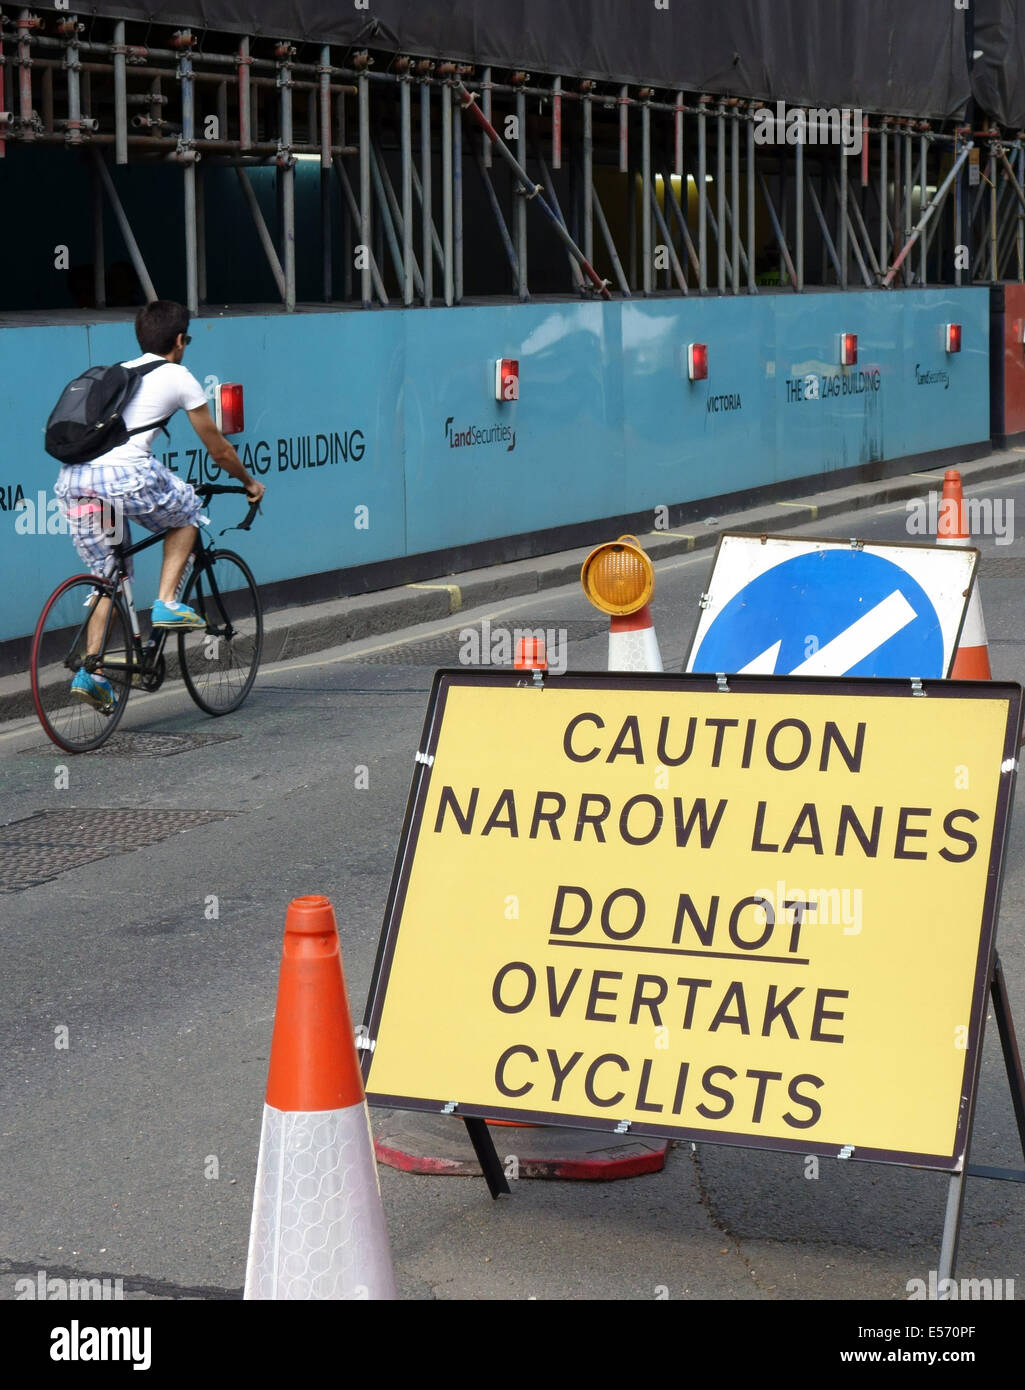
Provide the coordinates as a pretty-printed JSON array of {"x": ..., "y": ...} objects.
[
  {"x": 175, "y": 615},
  {"x": 94, "y": 690}
]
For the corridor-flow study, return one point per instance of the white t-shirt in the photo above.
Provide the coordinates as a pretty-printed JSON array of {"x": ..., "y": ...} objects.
[{"x": 159, "y": 394}]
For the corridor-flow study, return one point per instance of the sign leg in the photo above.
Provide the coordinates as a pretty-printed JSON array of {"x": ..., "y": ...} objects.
[
  {"x": 487, "y": 1157},
  {"x": 1009, "y": 1046},
  {"x": 951, "y": 1228}
]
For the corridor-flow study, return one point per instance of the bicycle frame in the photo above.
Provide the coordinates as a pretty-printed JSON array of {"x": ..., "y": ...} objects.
[{"x": 147, "y": 654}]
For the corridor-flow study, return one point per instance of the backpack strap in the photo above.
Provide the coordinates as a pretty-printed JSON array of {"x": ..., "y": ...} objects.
[
  {"x": 144, "y": 370},
  {"x": 157, "y": 424}
]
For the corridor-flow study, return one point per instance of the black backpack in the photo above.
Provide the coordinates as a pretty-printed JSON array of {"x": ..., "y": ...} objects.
[{"x": 87, "y": 420}]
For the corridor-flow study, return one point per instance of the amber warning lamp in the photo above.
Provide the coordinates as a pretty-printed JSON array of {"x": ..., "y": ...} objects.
[{"x": 618, "y": 577}]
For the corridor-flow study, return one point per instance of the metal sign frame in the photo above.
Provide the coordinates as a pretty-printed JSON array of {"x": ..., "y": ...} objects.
[{"x": 988, "y": 977}]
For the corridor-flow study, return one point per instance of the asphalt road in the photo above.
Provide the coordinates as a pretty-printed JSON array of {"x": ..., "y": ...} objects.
[{"x": 107, "y": 1145}]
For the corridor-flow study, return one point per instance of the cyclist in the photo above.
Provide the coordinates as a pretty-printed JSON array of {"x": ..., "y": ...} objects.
[{"x": 137, "y": 485}]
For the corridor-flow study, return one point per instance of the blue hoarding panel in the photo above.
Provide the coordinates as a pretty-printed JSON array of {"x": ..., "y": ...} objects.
[{"x": 379, "y": 436}]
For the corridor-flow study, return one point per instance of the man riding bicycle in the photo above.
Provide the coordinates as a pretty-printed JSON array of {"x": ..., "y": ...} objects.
[{"x": 138, "y": 486}]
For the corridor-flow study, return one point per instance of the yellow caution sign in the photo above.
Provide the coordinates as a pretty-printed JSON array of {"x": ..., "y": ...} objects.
[{"x": 759, "y": 915}]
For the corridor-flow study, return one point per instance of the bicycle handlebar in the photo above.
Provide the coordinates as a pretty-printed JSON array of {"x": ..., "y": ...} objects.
[{"x": 208, "y": 490}]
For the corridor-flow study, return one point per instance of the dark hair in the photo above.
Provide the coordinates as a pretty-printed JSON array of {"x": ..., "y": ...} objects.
[{"x": 158, "y": 325}]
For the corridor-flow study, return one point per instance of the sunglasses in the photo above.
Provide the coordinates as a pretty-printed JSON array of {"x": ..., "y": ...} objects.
[{"x": 188, "y": 339}]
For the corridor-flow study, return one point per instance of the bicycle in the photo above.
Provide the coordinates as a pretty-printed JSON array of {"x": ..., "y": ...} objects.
[{"x": 218, "y": 662}]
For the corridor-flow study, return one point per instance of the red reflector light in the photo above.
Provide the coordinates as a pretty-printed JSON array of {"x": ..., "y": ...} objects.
[
  {"x": 953, "y": 337},
  {"x": 507, "y": 379},
  {"x": 232, "y": 414},
  {"x": 848, "y": 349},
  {"x": 697, "y": 361}
]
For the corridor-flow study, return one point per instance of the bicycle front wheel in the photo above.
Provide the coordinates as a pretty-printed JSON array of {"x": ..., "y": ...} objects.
[
  {"x": 60, "y": 652},
  {"x": 219, "y": 662}
]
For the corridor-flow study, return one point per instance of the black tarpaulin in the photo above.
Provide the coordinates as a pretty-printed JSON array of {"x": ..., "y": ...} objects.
[
  {"x": 905, "y": 58},
  {"x": 998, "y": 73}
]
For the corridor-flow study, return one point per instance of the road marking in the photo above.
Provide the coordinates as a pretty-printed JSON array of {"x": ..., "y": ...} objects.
[
  {"x": 677, "y": 535},
  {"x": 804, "y": 507},
  {"x": 453, "y": 590}
]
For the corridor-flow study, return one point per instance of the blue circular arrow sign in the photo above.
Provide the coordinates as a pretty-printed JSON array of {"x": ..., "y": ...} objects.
[{"x": 833, "y": 612}]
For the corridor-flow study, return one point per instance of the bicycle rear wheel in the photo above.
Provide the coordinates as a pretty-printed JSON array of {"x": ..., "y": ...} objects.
[
  {"x": 59, "y": 650},
  {"x": 219, "y": 663}
]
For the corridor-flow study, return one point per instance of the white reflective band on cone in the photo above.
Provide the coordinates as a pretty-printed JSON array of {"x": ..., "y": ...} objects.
[
  {"x": 973, "y": 634},
  {"x": 634, "y": 651},
  {"x": 318, "y": 1228}
]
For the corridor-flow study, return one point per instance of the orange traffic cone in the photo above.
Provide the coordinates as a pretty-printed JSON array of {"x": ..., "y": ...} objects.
[
  {"x": 318, "y": 1229},
  {"x": 971, "y": 660},
  {"x": 530, "y": 655},
  {"x": 633, "y": 645}
]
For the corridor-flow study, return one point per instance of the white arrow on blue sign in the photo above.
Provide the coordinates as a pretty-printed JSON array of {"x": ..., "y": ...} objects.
[{"x": 780, "y": 606}]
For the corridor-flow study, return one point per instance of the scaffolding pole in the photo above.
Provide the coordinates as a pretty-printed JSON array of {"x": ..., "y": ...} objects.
[
  {"x": 752, "y": 282},
  {"x": 735, "y": 201},
  {"x": 409, "y": 267},
  {"x": 549, "y": 182},
  {"x": 125, "y": 228},
  {"x": 356, "y": 214},
  {"x": 245, "y": 100},
  {"x": 588, "y": 175},
  {"x": 681, "y": 221},
  {"x": 120, "y": 95},
  {"x": 610, "y": 245},
  {"x": 663, "y": 227},
  {"x": 366, "y": 295},
  {"x": 647, "y": 190},
  {"x": 99, "y": 255},
  {"x": 927, "y": 215},
  {"x": 923, "y": 198},
  {"x": 824, "y": 227},
  {"x": 852, "y": 238},
  {"x": 426, "y": 214},
  {"x": 845, "y": 221},
  {"x": 720, "y": 198},
  {"x": 266, "y": 240},
  {"x": 532, "y": 191},
  {"x": 777, "y": 229},
  {"x": 884, "y": 229},
  {"x": 799, "y": 212},
  {"x": 201, "y": 234},
  {"x": 521, "y": 197},
  {"x": 189, "y": 173},
  {"x": 457, "y": 206},
  {"x": 702, "y": 202},
  {"x": 398, "y": 219},
  {"x": 496, "y": 208}
]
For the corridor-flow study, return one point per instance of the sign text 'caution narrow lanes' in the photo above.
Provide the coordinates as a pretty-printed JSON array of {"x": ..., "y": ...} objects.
[{"x": 761, "y": 915}]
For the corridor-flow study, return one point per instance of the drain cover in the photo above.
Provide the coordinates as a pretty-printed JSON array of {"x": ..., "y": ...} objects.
[
  {"x": 142, "y": 745},
  {"x": 49, "y": 843}
]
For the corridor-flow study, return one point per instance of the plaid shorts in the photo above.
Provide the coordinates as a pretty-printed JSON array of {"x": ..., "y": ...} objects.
[{"x": 100, "y": 497}]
